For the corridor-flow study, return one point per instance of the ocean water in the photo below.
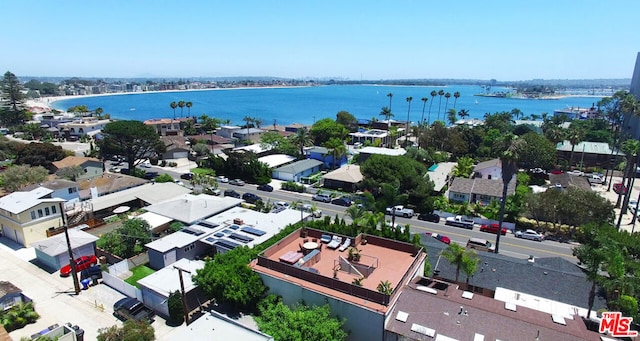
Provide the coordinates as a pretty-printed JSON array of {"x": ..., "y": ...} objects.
[{"x": 306, "y": 105}]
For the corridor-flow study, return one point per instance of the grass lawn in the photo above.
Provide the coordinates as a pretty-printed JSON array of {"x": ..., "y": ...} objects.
[
  {"x": 139, "y": 272},
  {"x": 203, "y": 171}
]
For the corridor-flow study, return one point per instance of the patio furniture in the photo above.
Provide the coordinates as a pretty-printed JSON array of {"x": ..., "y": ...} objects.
[
  {"x": 310, "y": 246},
  {"x": 326, "y": 238},
  {"x": 345, "y": 245},
  {"x": 335, "y": 242},
  {"x": 291, "y": 257}
]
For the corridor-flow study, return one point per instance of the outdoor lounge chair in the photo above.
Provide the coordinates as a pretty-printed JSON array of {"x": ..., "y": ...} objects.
[
  {"x": 345, "y": 245},
  {"x": 326, "y": 238},
  {"x": 335, "y": 242}
]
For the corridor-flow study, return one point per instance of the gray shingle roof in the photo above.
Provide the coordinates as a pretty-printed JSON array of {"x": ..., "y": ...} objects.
[
  {"x": 487, "y": 187},
  {"x": 299, "y": 166}
]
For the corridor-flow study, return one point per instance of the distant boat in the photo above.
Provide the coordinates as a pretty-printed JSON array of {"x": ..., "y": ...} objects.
[
  {"x": 134, "y": 109},
  {"x": 476, "y": 102}
]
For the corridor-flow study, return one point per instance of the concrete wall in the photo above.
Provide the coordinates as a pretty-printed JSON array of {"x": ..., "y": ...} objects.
[
  {"x": 361, "y": 323},
  {"x": 28, "y": 233}
]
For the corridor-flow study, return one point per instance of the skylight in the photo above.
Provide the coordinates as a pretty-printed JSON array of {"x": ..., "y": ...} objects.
[
  {"x": 423, "y": 330},
  {"x": 402, "y": 316},
  {"x": 467, "y": 294}
]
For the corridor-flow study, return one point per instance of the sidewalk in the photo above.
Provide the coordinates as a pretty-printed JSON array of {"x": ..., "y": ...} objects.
[{"x": 626, "y": 222}]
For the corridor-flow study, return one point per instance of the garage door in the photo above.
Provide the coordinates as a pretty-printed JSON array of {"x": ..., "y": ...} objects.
[{"x": 180, "y": 155}]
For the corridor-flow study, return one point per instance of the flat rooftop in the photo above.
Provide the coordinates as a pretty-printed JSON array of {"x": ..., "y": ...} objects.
[{"x": 381, "y": 260}]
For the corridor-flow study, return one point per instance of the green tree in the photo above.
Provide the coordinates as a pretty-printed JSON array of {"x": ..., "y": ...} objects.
[
  {"x": 181, "y": 104},
  {"x": 406, "y": 132},
  {"x": 176, "y": 308},
  {"x": 16, "y": 177},
  {"x": 131, "y": 330},
  {"x": 537, "y": 152},
  {"x": 325, "y": 129},
  {"x": 452, "y": 116},
  {"x": 134, "y": 140},
  {"x": 461, "y": 258},
  {"x": 39, "y": 154},
  {"x": 387, "y": 114},
  {"x": 11, "y": 89},
  {"x": 189, "y": 105},
  {"x": 464, "y": 168},
  {"x": 70, "y": 173},
  {"x": 433, "y": 96},
  {"x": 163, "y": 178},
  {"x": 575, "y": 136},
  {"x": 173, "y": 106},
  {"x": 346, "y": 119},
  {"x": 446, "y": 103},
  {"x": 440, "y": 93},
  {"x": 127, "y": 240},
  {"x": 511, "y": 146},
  {"x": 299, "y": 323},
  {"x": 228, "y": 278},
  {"x": 18, "y": 316},
  {"x": 302, "y": 139},
  {"x": 209, "y": 124},
  {"x": 456, "y": 95},
  {"x": 384, "y": 287},
  {"x": 337, "y": 149}
]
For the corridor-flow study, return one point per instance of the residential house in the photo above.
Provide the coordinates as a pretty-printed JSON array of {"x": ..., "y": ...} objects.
[
  {"x": 157, "y": 287},
  {"x": 480, "y": 191},
  {"x": 53, "y": 253},
  {"x": 26, "y": 216},
  {"x": 491, "y": 170},
  {"x": 590, "y": 154},
  {"x": 297, "y": 170},
  {"x": 216, "y": 326},
  {"x": 345, "y": 178},
  {"x": 92, "y": 167},
  {"x": 366, "y": 152},
  {"x": 374, "y": 137},
  {"x": 62, "y": 188},
  {"x": 85, "y": 126},
  {"x": 325, "y": 276},
  {"x": 293, "y": 128},
  {"x": 11, "y": 295},
  {"x": 106, "y": 184},
  {"x": 568, "y": 180},
  {"x": 276, "y": 160},
  {"x": 252, "y": 135},
  {"x": 227, "y": 131},
  {"x": 326, "y": 156},
  {"x": 177, "y": 147},
  {"x": 165, "y": 126},
  {"x": 190, "y": 209}
]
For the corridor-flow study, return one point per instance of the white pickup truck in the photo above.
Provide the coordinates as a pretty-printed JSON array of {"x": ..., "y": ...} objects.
[
  {"x": 460, "y": 221},
  {"x": 400, "y": 211}
]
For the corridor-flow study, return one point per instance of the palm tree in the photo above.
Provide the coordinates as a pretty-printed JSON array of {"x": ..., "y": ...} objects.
[
  {"x": 424, "y": 105},
  {"x": 433, "y": 95},
  {"x": 173, "y": 106},
  {"x": 630, "y": 148},
  {"x": 337, "y": 149},
  {"x": 554, "y": 133},
  {"x": 385, "y": 288},
  {"x": 463, "y": 113},
  {"x": 248, "y": 120},
  {"x": 189, "y": 105},
  {"x": 512, "y": 147},
  {"x": 446, "y": 103},
  {"x": 575, "y": 136},
  {"x": 460, "y": 257},
  {"x": 440, "y": 93},
  {"x": 406, "y": 133},
  {"x": 181, "y": 105},
  {"x": 356, "y": 213},
  {"x": 302, "y": 138},
  {"x": 456, "y": 95},
  {"x": 390, "y": 95},
  {"x": 451, "y": 116}
]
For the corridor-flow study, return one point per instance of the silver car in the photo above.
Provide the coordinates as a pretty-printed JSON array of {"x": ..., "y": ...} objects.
[{"x": 530, "y": 234}]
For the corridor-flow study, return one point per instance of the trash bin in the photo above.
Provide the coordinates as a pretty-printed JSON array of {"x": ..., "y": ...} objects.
[
  {"x": 79, "y": 334},
  {"x": 85, "y": 283}
]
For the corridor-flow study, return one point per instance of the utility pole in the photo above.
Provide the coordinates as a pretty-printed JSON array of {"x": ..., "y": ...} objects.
[
  {"x": 184, "y": 295},
  {"x": 72, "y": 262}
]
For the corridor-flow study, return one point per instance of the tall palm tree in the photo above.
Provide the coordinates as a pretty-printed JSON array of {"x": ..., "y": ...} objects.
[
  {"x": 337, "y": 149},
  {"x": 463, "y": 113},
  {"x": 390, "y": 95},
  {"x": 248, "y": 120},
  {"x": 302, "y": 138},
  {"x": 189, "y": 105},
  {"x": 512, "y": 147},
  {"x": 630, "y": 148},
  {"x": 440, "y": 93},
  {"x": 433, "y": 95},
  {"x": 406, "y": 133},
  {"x": 181, "y": 105},
  {"x": 457, "y": 255},
  {"x": 424, "y": 105},
  {"x": 451, "y": 116},
  {"x": 173, "y": 106},
  {"x": 456, "y": 95},
  {"x": 446, "y": 103},
  {"x": 575, "y": 136}
]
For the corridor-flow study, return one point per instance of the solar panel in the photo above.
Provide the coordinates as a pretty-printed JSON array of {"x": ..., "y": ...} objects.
[
  {"x": 253, "y": 231},
  {"x": 234, "y": 227},
  {"x": 240, "y": 238},
  {"x": 192, "y": 231},
  {"x": 227, "y": 231},
  {"x": 210, "y": 239},
  {"x": 219, "y": 234},
  {"x": 208, "y": 224},
  {"x": 226, "y": 244}
]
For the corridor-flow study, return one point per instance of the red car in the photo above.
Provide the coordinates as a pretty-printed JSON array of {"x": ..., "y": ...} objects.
[
  {"x": 82, "y": 263},
  {"x": 620, "y": 188},
  {"x": 492, "y": 228},
  {"x": 440, "y": 237}
]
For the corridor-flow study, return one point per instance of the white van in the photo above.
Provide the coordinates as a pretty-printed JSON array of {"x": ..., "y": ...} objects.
[
  {"x": 595, "y": 179},
  {"x": 480, "y": 244}
]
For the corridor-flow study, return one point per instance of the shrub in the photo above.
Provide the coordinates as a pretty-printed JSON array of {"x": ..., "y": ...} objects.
[{"x": 293, "y": 187}]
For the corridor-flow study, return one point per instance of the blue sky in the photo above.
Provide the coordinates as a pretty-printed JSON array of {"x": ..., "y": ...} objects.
[{"x": 505, "y": 40}]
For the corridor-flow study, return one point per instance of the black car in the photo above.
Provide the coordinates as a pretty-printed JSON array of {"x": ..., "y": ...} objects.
[
  {"x": 342, "y": 202},
  {"x": 251, "y": 198},
  {"x": 432, "y": 217},
  {"x": 131, "y": 309},
  {"x": 151, "y": 175},
  {"x": 231, "y": 193},
  {"x": 186, "y": 176},
  {"x": 266, "y": 188}
]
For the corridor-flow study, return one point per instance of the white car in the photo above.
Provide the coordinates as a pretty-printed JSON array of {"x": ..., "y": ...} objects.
[
  {"x": 309, "y": 208},
  {"x": 530, "y": 234},
  {"x": 282, "y": 204},
  {"x": 223, "y": 179},
  {"x": 576, "y": 172}
]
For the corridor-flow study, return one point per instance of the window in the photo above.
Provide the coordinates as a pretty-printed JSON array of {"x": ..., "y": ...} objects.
[
  {"x": 46, "y": 211},
  {"x": 72, "y": 190},
  {"x": 40, "y": 215},
  {"x": 54, "y": 210},
  {"x": 189, "y": 247},
  {"x": 33, "y": 214}
]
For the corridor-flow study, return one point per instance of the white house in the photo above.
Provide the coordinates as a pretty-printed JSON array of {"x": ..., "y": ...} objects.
[
  {"x": 53, "y": 252},
  {"x": 491, "y": 170}
]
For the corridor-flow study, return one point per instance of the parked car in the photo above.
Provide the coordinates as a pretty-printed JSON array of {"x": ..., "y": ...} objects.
[
  {"x": 530, "y": 234},
  {"x": 492, "y": 228},
  {"x": 282, "y": 204},
  {"x": 266, "y": 188},
  {"x": 151, "y": 175},
  {"x": 620, "y": 188},
  {"x": 251, "y": 198},
  {"x": 223, "y": 179},
  {"x": 632, "y": 205},
  {"x": 480, "y": 244},
  {"x": 576, "y": 172},
  {"x": 231, "y": 193},
  {"x": 342, "y": 201},
  {"x": 131, "y": 309},
  {"x": 432, "y": 217},
  {"x": 186, "y": 176},
  {"x": 82, "y": 263},
  {"x": 556, "y": 171},
  {"x": 399, "y": 210},
  {"x": 322, "y": 197},
  {"x": 309, "y": 208},
  {"x": 115, "y": 169},
  {"x": 595, "y": 179},
  {"x": 440, "y": 237},
  {"x": 236, "y": 182}
]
